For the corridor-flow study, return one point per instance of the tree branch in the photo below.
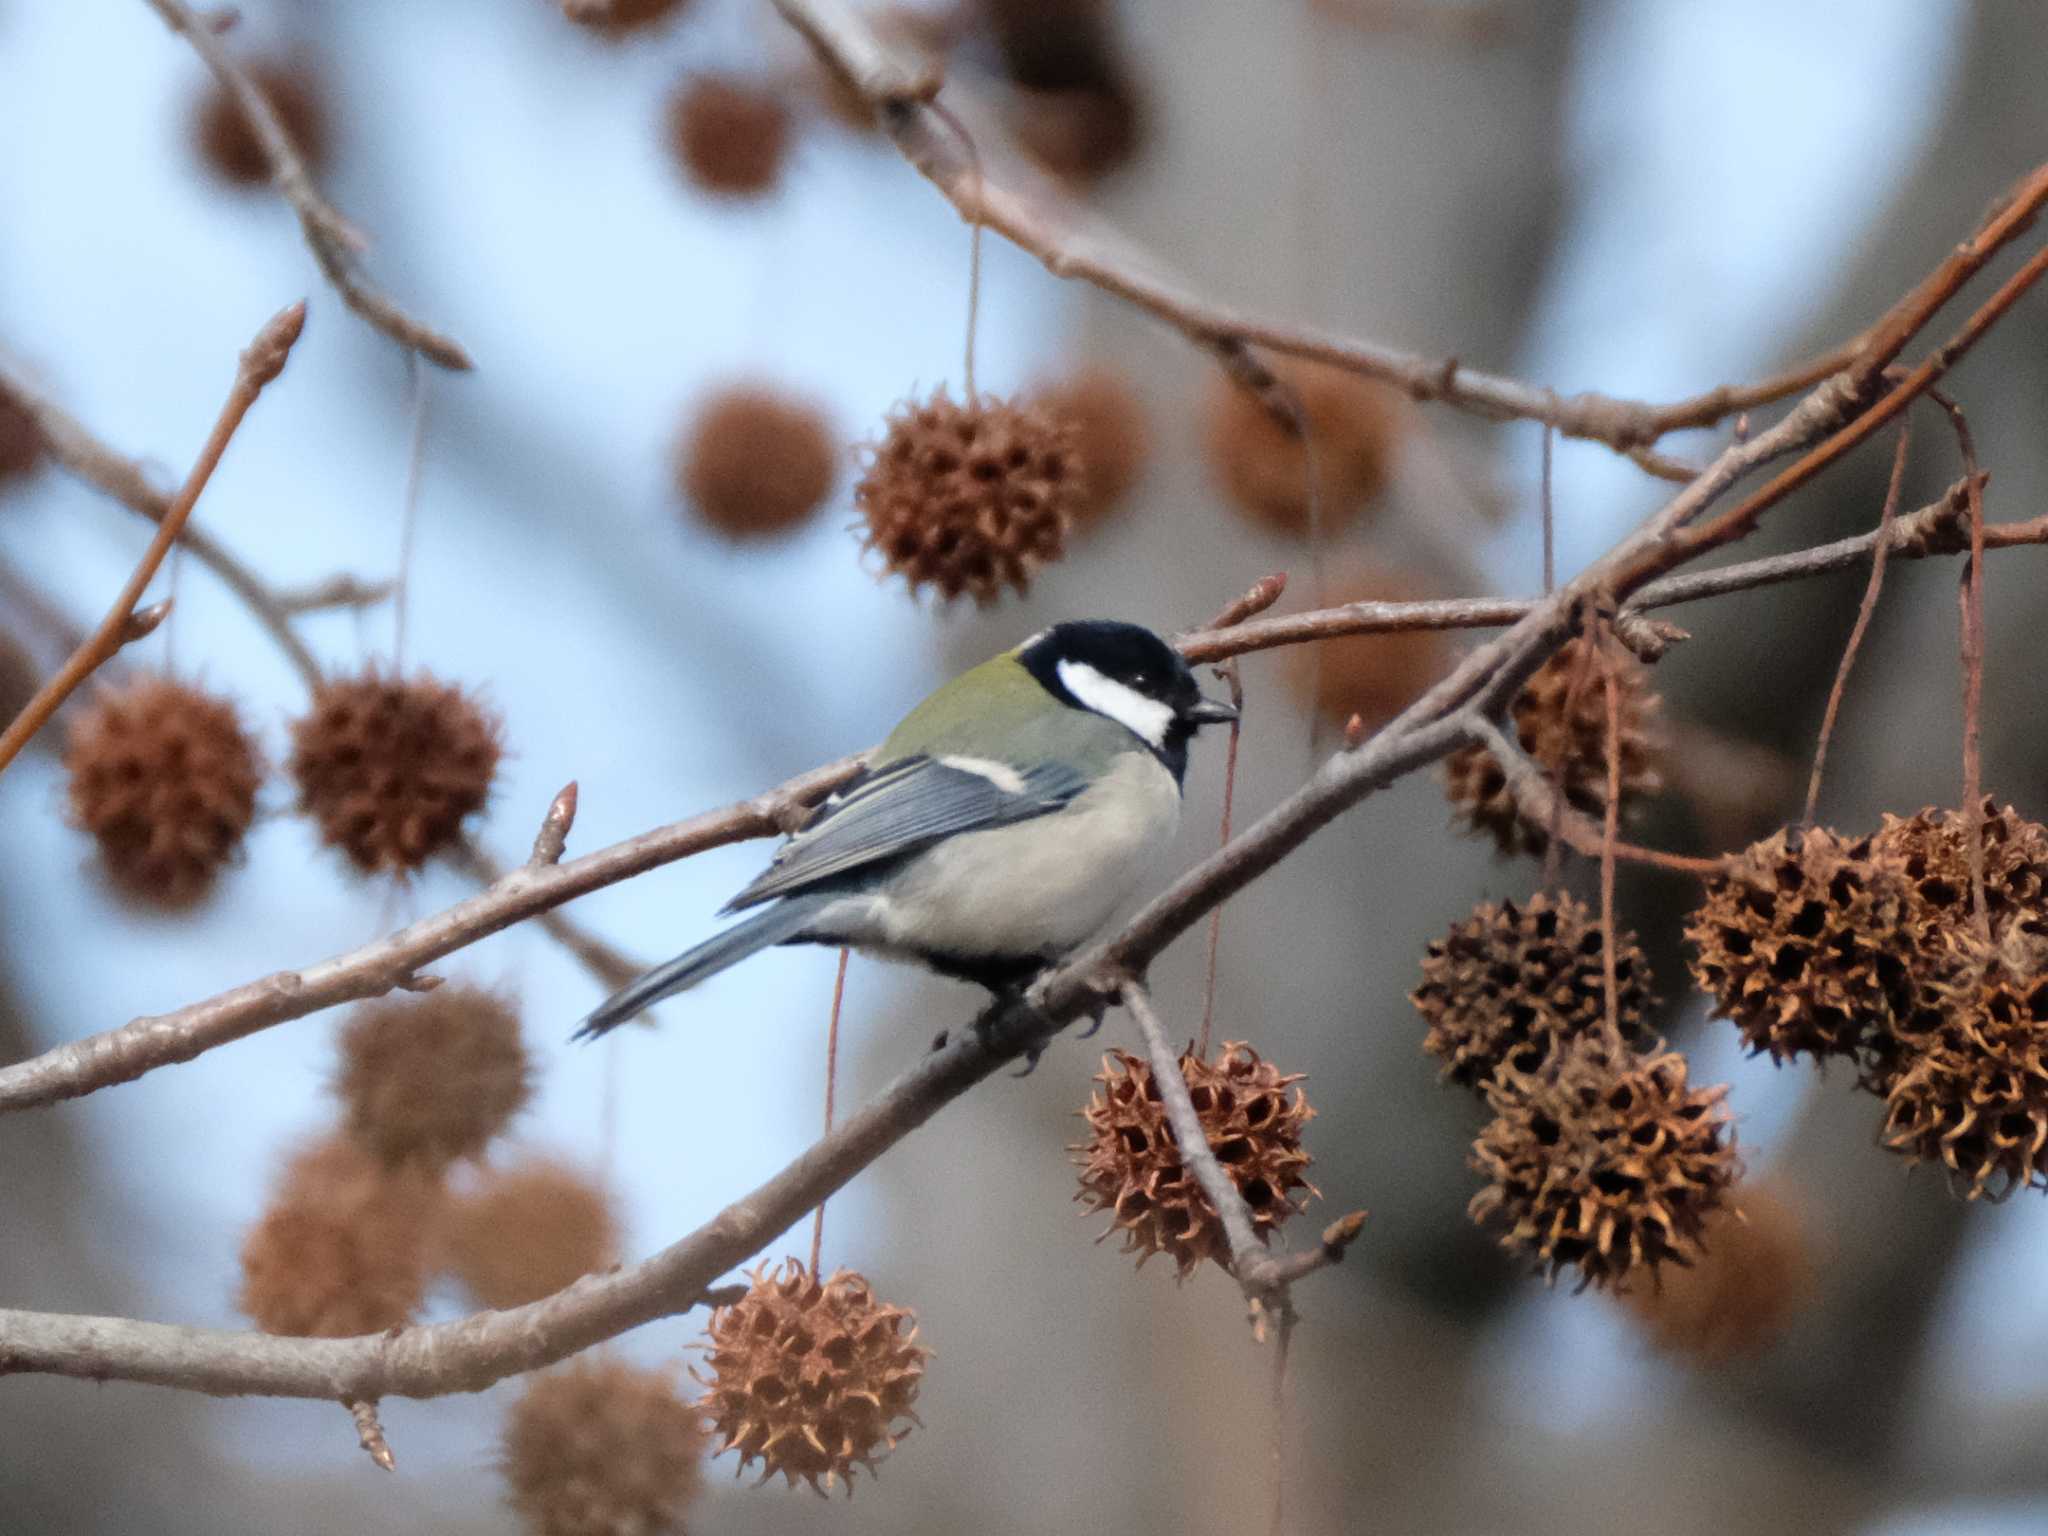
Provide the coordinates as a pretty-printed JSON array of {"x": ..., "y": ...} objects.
[
  {"x": 261, "y": 362},
  {"x": 328, "y": 235}
]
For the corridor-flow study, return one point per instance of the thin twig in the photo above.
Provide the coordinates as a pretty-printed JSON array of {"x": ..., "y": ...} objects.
[
  {"x": 1234, "y": 677},
  {"x": 1282, "y": 1351},
  {"x": 1610, "y": 836},
  {"x": 1881, "y": 548},
  {"x": 1970, "y": 603},
  {"x": 261, "y": 362},
  {"x": 338, "y": 591},
  {"x": 609, "y": 964},
  {"x": 329, "y": 236},
  {"x": 831, "y": 1087}
]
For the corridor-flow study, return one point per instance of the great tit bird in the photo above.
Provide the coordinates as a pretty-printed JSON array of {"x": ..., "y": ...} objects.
[{"x": 1000, "y": 825}]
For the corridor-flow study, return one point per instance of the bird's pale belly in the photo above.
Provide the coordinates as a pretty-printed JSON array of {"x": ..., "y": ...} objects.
[{"x": 1040, "y": 888}]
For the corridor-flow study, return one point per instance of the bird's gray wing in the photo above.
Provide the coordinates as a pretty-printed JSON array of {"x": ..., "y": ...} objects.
[{"x": 904, "y": 806}]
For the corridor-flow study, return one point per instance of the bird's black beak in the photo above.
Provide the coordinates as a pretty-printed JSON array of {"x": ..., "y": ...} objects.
[{"x": 1211, "y": 712}]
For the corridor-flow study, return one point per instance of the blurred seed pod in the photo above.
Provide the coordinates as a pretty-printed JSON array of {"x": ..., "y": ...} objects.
[
  {"x": 1112, "y": 439},
  {"x": 1373, "y": 676},
  {"x": 528, "y": 1230},
  {"x": 729, "y": 136},
  {"x": 1798, "y": 944},
  {"x": 1354, "y": 426},
  {"x": 617, "y": 18},
  {"x": 755, "y": 462},
  {"x": 1080, "y": 134},
  {"x": 1560, "y": 719},
  {"x": 164, "y": 777},
  {"x": 21, "y": 441},
  {"x": 1514, "y": 984},
  {"x": 1754, "y": 1275},
  {"x": 597, "y": 1447},
  {"x": 970, "y": 498},
  {"x": 229, "y": 147},
  {"x": 389, "y": 768},
  {"x": 21, "y": 677},
  {"x": 431, "y": 1078},
  {"x": 1971, "y": 1092},
  {"x": 1131, "y": 1167},
  {"x": 345, "y": 1247},
  {"x": 812, "y": 1379},
  {"x": 1606, "y": 1162}
]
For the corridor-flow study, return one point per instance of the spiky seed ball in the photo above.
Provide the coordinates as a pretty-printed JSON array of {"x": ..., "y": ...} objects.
[
  {"x": 528, "y": 1230},
  {"x": 164, "y": 776},
  {"x": 970, "y": 498},
  {"x": 1929, "y": 852},
  {"x": 1798, "y": 944},
  {"x": 21, "y": 443},
  {"x": 1355, "y": 427},
  {"x": 597, "y": 1447},
  {"x": 1131, "y": 1167},
  {"x": 1112, "y": 439},
  {"x": 810, "y": 1378},
  {"x": 389, "y": 767},
  {"x": 345, "y": 1247},
  {"x": 1607, "y": 1162},
  {"x": 729, "y": 137},
  {"x": 228, "y": 146},
  {"x": 1564, "y": 729},
  {"x": 1515, "y": 983},
  {"x": 756, "y": 462},
  {"x": 1376, "y": 676},
  {"x": 616, "y": 18},
  {"x": 1973, "y": 1094},
  {"x": 431, "y": 1078},
  {"x": 1755, "y": 1273}
]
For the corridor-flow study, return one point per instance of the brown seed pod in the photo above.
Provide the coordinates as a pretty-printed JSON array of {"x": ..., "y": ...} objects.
[
  {"x": 228, "y": 146},
  {"x": 528, "y": 1230},
  {"x": 811, "y": 1378},
  {"x": 1374, "y": 677},
  {"x": 970, "y": 498},
  {"x": 164, "y": 777},
  {"x": 597, "y": 1447},
  {"x": 432, "y": 1078},
  {"x": 1560, "y": 719},
  {"x": 389, "y": 768},
  {"x": 1755, "y": 1273},
  {"x": 1112, "y": 439},
  {"x": 1929, "y": 853},
  {"x": 21, "y": 677},
  {"x": 1972, "y": 1092},
  {"x": 1798, "y": 944},
  {"x": 730, "y": 137},
  {"x": 1079, "y": 133},
  {"x": 616, "y": 18},
  {"x": 1607, "y": 1162},
  {"x": 1515, "y": 983},
  {"x": 755, "y": 462},
  {"x": 345, "y": 1248},
  {"x": 1131, "y": 1167},
  {"x": 1355, "y": 426},
  {"x": 21, "y": 441}
]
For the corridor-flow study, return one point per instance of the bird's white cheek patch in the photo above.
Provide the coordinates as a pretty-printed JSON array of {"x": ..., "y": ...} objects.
[
  {"x": 1002, "y": 775},
  {"x": 1148, "y": 718}
]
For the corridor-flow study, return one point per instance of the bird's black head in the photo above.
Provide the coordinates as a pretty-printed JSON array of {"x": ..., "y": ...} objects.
[{"x": 1131, "y": 676}]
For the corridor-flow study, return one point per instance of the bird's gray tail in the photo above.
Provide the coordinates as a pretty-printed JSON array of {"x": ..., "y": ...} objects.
[{"x": 777, "y": 925}]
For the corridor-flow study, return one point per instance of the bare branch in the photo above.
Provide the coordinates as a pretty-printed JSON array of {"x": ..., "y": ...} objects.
[
  {"x": 261, "y": 362},
  {"x": 339, "y": 591},
  {"x": 612, "y": 966},
  {"x": 330, "y": 237}
]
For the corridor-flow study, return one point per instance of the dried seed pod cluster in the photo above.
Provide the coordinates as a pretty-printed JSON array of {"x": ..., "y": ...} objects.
[
  {"x": 1353, "y": 428},
  {"x": 527, "y": 1230},
  {"x": 756, "y": 462},
  {"x": 345, "y": 1247},
  {"x": 164, "y": 776},
  {"x": 1131, "y": 1168},
  {"x": 1872, "y": 950},
  {"x": 430, "y": 1079},
  {"x": 1112, "y": 439},
  {"x": 811, "y": 1377},
  {"x": 729, "y": 136},
  {"x": 389, "y": 768},
  {"x": 970, "y": 498},
  {"x": 1560, "y": 719},
  {"x": 1606, "y": 1162},
  {"x": 1754, "y": 1274},
  {"x": 1516, "y": 982},
  {"x": 597, "y": 1447}
]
